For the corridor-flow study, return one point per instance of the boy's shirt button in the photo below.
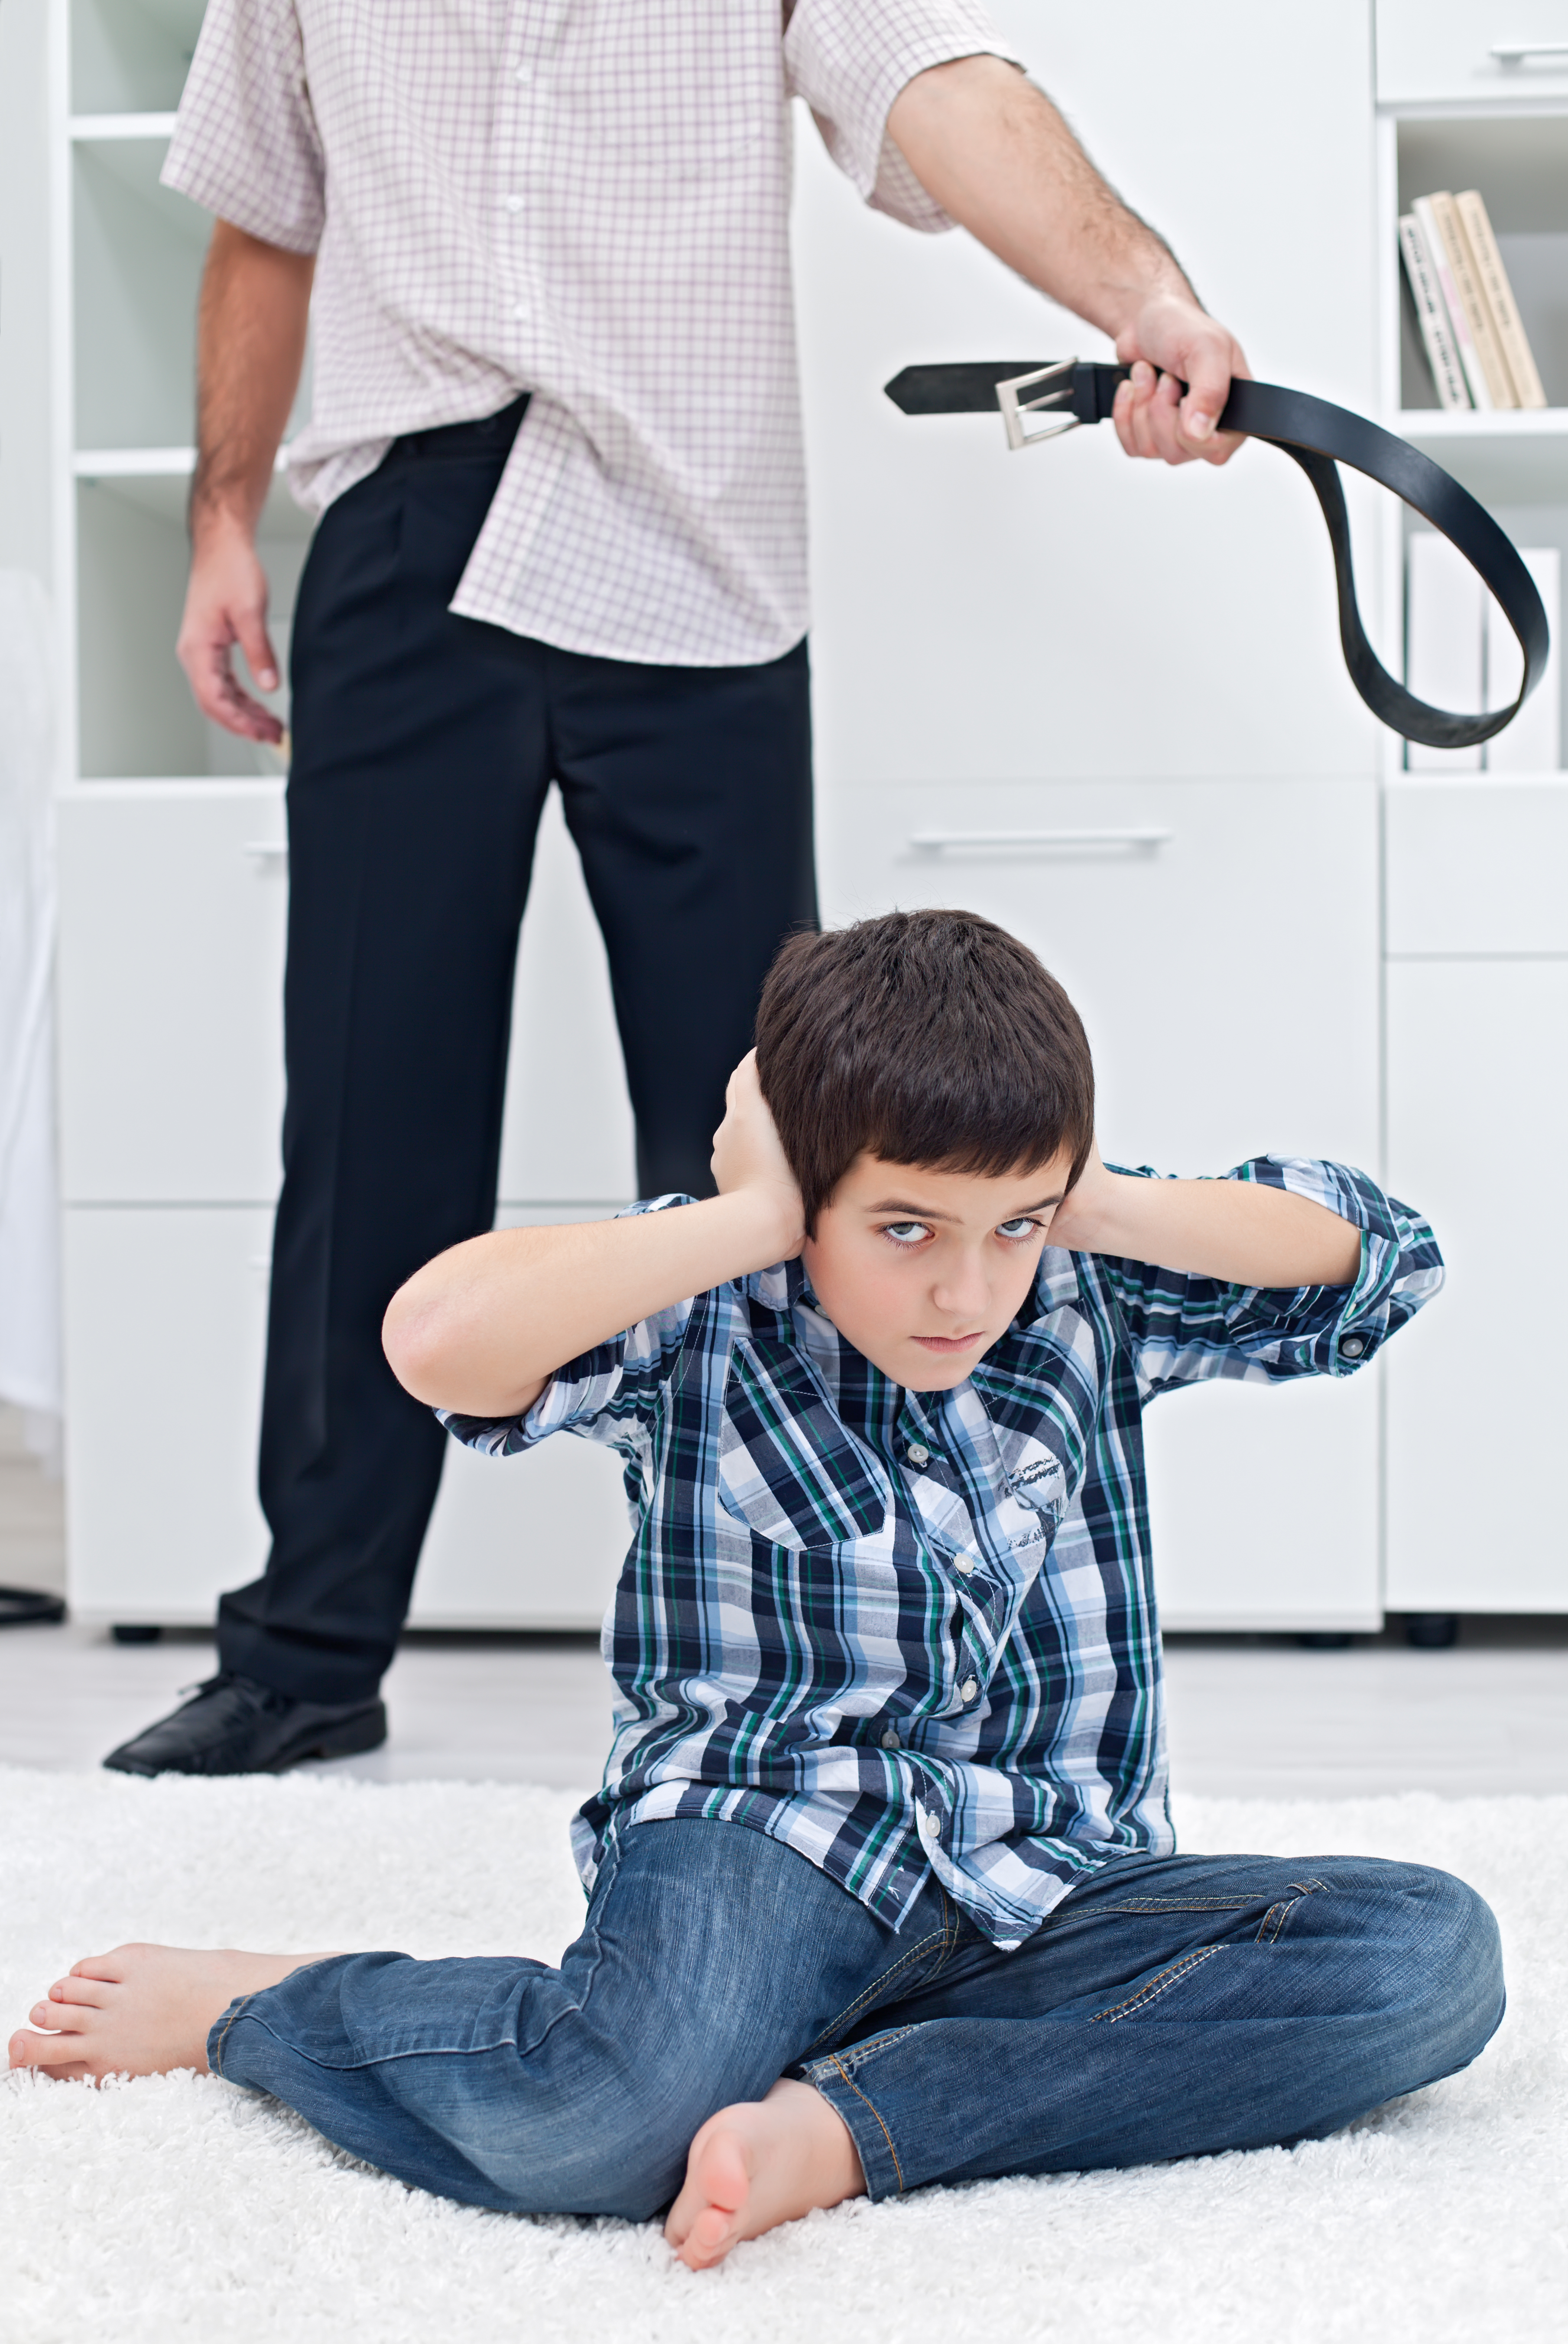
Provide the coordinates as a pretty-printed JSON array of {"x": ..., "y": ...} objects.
[
  {"x": 968, "y": 1689},
  {"x": 890, "y": 1739},
  {"x": 918, "y": 1454},
  {"x": 1354, "y": 1346},
  {"x": 930, "y": 1824},
  {"x": 963, "y": 1562}
]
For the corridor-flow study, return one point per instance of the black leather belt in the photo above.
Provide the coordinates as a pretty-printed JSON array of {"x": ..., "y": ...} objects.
[{"x": 1315, "y": 435}]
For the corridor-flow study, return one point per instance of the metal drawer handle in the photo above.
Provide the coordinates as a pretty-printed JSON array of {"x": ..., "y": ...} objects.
[
  {"x": 267, "y": 849},
  {"x": 932, "y": 842},
  {"x": 1513, "y": 53}
]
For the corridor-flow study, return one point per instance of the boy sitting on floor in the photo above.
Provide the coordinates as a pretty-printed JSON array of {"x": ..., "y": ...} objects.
[{"x": 883, "y": 1884}]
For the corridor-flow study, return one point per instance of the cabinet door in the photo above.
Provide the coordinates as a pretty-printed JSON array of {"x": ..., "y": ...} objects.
[
  {"x": 173, "y": 901},
  {"x": 165, "y": 1323},
  {"x": 1430, "y": 49},
  {"x": 1476, "y": 866},
  {"x": 1478, "y": 1386}
]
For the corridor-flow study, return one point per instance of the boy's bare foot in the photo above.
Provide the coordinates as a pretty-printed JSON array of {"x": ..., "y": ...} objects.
[
  {"x": 142, "y": 2010},
  {"x": 757, "y": 2164}
]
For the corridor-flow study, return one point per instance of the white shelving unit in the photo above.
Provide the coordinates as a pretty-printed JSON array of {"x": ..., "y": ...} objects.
[
  {"x": 1040, "y": 643},
  {"x": 1475, "y": 940}
]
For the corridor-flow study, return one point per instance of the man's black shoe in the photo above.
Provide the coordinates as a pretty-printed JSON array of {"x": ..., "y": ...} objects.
[{"x": 236, "y": 1726}]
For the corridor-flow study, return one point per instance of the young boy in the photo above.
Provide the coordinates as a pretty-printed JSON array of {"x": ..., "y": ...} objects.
[{"x": 883, "y": 1881}]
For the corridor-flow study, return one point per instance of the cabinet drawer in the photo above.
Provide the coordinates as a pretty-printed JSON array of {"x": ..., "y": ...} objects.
[
  {"x": 1478, "y": 1385},
  {"x": 1435, "y": 49},
  {"x": 1219, "y": 938},
  {"x": 173, "y": 906},
  {"x": 1476, "y": 866}
]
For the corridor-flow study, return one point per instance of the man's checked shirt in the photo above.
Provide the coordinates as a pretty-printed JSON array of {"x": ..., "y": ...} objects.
[
  {"x": 907, "y": 1631},
  {"x": 587, "y": 200}
]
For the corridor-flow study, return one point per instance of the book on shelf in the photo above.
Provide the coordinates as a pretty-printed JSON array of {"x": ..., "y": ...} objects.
[
  {"x": 1517, "y": 354},
  {"x": 1432, "y": 316},
  {"x": 1466, "y": 313},
  {"x": 1470, "y": 324}
]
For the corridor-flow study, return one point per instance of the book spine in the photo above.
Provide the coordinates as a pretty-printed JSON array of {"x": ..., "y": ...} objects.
[
  {"x": 1458, "y": 325},
  {"x": 1493, "y": 278},
  {"x": 1477, "y": 315},
  {"x": 1432, "y": 317}
]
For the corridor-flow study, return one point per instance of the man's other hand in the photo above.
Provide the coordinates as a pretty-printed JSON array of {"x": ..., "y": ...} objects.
[
  {"x": 1173, "y": 341},
  {"x": 226, "y": 606}
]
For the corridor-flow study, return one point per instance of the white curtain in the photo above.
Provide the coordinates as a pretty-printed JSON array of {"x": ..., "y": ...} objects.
[{"x": 29, "y": 1185}]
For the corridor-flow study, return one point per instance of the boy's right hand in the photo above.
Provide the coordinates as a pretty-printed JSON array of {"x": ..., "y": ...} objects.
[{"x": 748, "y": 1154}]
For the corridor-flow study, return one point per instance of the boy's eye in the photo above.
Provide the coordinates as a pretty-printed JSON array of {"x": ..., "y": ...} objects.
[
  {"x": 905, "y": 1233},
  {"x": 1023, "y": 1227}
]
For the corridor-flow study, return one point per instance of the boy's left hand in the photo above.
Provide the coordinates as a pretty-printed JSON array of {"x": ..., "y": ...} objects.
[{"x": 749, "y": 1154}]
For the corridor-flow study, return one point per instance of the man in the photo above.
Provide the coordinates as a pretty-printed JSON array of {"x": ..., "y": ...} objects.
[{"x": 555, "y": 441}]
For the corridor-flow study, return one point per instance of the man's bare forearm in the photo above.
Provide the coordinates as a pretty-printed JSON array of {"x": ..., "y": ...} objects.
[
  {"x": 250, "y": 346},
  {"x": 999, "y": 158}
]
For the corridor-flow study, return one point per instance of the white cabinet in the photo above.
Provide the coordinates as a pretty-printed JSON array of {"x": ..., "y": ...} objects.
[
  {"x": 1481, "y": 50},
  {"x": 1478, "y": 1387},
  {"x": 171, "y": 966}
]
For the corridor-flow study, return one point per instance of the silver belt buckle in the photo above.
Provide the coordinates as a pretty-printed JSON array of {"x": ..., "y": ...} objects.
[{"x": 1017, "y": 409}]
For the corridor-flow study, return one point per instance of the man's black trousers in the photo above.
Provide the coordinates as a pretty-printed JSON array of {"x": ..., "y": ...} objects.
[{"x": 424, "y": 746}]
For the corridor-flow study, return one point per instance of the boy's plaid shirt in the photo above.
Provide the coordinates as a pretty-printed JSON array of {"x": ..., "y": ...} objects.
[{"x": 902, "y": 1631}]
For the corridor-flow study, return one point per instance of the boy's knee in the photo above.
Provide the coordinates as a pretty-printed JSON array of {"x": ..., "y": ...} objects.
[{"x": 1447, "y": 1973}]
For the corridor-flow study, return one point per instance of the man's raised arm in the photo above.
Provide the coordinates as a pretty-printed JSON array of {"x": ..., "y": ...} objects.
[
  {"x": 250, "y": 346},
  {"x": 995, "y": 153}
]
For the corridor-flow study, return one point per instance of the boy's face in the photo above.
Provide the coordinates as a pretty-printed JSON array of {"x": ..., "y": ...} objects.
[{"x": 924, "y": 1271}]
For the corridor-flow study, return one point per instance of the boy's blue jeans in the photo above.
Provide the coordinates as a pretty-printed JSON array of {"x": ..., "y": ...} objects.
[{"x": 1171, "y": 2006}]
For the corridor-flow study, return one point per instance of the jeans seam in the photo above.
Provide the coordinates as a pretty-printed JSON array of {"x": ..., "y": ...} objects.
[
  {"x": 860, "y": 2096},
  {"x": 1156, "y": 1987},
  {"x": 1184, "y": 1903},
  {"x": 874, "y": 1991},
  {"x": 235, "y": 2010}
]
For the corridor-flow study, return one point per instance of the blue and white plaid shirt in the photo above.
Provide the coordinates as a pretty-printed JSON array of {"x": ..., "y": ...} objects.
[{"x": 911, "y": 1633}]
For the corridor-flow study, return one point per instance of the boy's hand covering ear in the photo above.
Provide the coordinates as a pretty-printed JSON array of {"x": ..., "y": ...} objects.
[{"x": 749, "y": 1155}]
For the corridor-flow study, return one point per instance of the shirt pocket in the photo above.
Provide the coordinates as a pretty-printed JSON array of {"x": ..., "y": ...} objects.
[{"x": 788, "y": 1468}]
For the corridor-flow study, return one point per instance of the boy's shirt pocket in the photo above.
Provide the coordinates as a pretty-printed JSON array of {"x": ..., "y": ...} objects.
[{"x": 788, "y": 1468}]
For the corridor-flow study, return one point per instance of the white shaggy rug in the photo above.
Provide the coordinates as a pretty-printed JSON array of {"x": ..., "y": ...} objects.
[{"x": 178, "y": 2208}]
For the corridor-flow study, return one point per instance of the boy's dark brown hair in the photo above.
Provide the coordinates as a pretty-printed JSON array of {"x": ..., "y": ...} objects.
[{"x": 928, "y": 1038}]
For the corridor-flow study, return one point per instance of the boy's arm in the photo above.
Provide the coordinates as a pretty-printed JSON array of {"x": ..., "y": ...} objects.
[
  {"x": 1239, "y": 1232},
  {"x": 481, "y": 1330}
]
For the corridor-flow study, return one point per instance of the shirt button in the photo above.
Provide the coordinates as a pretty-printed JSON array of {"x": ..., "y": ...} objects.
[
  {"x": 1354, "y": 1346},
  {"x": 963, "y": 1562},
  {"x": 930, "y": 1824},
  {"x": 917, "y": 1454},
  {"x": 514, "y": 203},
  {"x": 968, "y": 1689},
  {"x": 890, "y": 1739},
  {"x": 521, "y": 312},
  {"x": 525, "y": 72}
]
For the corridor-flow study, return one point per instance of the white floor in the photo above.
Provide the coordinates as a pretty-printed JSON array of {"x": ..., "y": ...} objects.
[{"x": 1253, "y": 1717}]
